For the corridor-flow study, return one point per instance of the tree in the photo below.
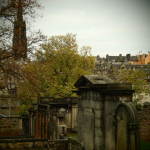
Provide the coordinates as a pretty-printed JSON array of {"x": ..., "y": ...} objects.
[
  {"x": 13, "y": 26},
  {"x": 136, "y": 77},
  {"x": 57, "y": 65},
  {"x": 13, "y": 41}
]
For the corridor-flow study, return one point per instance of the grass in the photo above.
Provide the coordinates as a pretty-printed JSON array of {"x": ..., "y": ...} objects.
[
  {"x": 145, "y": 145},
  {"x": 72, "y": 135}
]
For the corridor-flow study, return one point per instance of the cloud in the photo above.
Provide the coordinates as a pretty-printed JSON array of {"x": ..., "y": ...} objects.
[{"x": 102, "y": 24}]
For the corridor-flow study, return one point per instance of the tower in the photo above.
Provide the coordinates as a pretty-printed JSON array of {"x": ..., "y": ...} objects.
[{"x": 19, "y": 34}]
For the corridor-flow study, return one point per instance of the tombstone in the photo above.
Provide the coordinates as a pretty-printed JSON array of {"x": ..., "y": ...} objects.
[{"x": 102, "y": 103}]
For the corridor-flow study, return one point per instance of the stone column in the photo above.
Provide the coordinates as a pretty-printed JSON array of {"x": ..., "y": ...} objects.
[{"x": 90, "y": 120}]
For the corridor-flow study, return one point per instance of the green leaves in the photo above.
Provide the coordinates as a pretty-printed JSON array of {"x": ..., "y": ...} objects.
[
  {"x": 57, "y": 66},
  {"x": 136, "y": 77}
]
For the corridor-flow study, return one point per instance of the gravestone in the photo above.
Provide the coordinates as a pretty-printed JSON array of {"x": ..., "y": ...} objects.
[{"x": 99, "y": 108}]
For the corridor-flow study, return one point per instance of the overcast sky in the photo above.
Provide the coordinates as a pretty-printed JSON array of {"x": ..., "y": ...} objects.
[{"x": 108, "y": 26}]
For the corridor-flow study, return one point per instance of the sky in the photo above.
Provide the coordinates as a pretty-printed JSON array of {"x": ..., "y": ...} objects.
[{"x": 109, "y": 26}]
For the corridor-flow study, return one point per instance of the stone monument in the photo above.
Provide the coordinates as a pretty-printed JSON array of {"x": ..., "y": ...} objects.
[{"x": 106, "y": 116}]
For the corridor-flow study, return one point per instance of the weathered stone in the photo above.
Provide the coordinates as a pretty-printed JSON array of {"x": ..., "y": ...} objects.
[
  {"x": 144, "y": 121},
  {"x": 100, "y": 98},
  {"x": 98, "y": 132}
]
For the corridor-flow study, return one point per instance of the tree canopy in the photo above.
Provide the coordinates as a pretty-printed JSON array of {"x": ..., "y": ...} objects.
[
  {"x": 56, "y": 66},
  {"x": 136, "y": 77},
  {"x": 13, "y": 15}
]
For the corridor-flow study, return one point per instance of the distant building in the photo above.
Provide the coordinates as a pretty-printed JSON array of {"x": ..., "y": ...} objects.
[
  {"x": 106, "y": 65},
  {"x": 143, "y": 59},
  {"x": 121, "y": 58},
  {"x": 109, "y": 65}
]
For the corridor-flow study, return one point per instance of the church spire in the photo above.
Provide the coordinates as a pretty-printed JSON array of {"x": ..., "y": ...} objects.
[{"x": 19, "y": 37}]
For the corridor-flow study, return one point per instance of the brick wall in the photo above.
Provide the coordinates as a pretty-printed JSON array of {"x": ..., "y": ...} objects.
[{"x": 144, "y": 121}]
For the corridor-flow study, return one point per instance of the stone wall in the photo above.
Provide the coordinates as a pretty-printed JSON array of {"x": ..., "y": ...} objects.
[
  {"x": 10, "y": 122},
  {"x": 8, "y": 106},
  {"x": 90, "y": 117},
  {"x": 23, "y": 145},
  {"x": 39, "y": 144},
  {"x": 144, "y": 121},
  {"x": 11, "y": 126}
]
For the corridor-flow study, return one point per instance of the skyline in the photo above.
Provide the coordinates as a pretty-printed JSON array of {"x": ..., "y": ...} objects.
[{"x": 109, "y": 27}]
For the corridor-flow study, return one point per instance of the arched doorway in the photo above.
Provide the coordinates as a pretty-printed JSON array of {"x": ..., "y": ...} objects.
[{"x": 126, "y": 134}]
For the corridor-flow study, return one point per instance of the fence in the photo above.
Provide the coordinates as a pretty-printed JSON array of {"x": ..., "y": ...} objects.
[{"x": 64, "y": 144}]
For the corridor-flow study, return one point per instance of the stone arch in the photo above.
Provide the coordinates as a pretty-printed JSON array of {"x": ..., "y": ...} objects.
[{"x": 126, "y": 127}]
